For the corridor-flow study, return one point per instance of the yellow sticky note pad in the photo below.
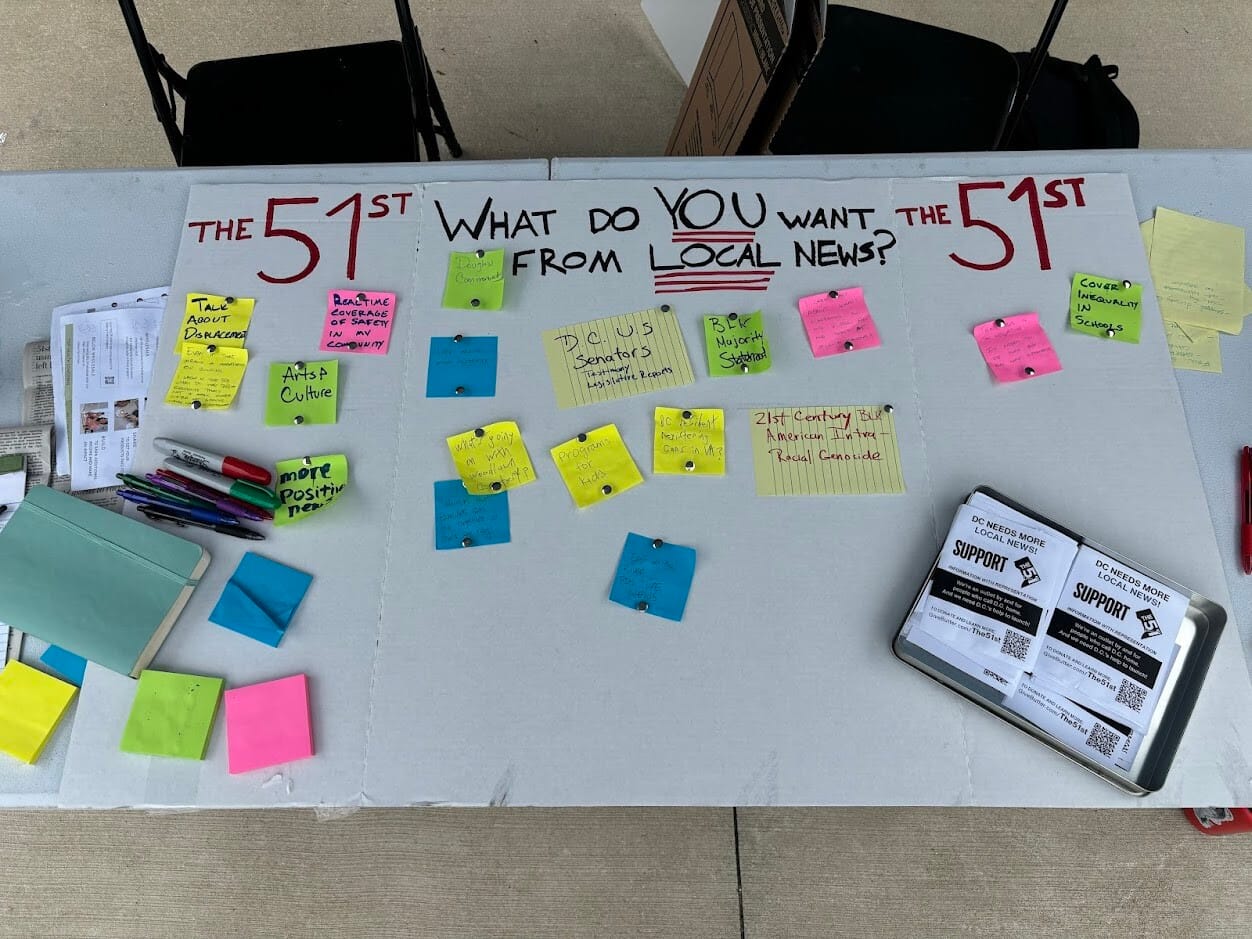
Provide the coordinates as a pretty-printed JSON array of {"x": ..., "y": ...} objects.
[
  {"x": 1193, "y": 348},
  {"x": 835, "y": 450},
  {"x": 207, "y": 377},
  {"x": 31, "y": 705},
  {"x": 689, "y": 441},
  {"x": 213, "y": 320},
  {"x": 491, "y": 458},
  {"x": 1198, "y": 270},
  {"x": 596, "y": 466}
]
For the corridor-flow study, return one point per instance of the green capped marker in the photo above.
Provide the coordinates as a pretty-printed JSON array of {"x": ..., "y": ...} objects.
[{"x": 235, "y": 488}]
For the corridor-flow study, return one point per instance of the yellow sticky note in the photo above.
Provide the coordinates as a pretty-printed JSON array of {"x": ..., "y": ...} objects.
[
  {"x": 596, "y": 466},
  {"x": 1145, "y": 231},
  {"x": 491, "y": 458},
  {"x": 617, "y": 356},
  {"x": 1194, "y": 348},
  {"x": 689, "y": 441},
  {"x": 31, "y": 705},
  {"x": 214, "y": 320},
  {"x": 207, "y": 379},
  {"x": 1247, "y": 300},
  {"x": 835, "y": 450},
  {"x": 1198, "y": 269}
]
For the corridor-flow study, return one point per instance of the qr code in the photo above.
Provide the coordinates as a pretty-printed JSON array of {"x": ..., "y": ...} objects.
[
  {"x": 1103, "y": 740},
  {"x": 108, "y": 379},
  {"x": 1015, "y": 644},
  {"x": 1131, "y": 695}
]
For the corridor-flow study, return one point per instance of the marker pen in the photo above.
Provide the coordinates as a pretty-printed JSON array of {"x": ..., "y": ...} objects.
[
  {"x": 230, "y": 466},
  {"x": 236, "y": 489}
]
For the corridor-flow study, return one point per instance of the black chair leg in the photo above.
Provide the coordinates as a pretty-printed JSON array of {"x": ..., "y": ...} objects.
[{"x": 443, "y": 126}]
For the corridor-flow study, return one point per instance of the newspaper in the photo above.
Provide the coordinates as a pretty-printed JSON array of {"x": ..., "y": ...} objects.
[{"x": 34, "y": 442}]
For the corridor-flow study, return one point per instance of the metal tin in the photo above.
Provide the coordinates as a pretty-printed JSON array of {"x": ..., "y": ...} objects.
[{"x": 1197, "y": 641}]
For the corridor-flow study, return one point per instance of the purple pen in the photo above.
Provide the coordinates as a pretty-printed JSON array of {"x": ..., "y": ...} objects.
[{"x": 175, "y": 483}]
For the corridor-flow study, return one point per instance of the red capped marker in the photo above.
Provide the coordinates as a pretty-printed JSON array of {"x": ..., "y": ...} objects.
[{"x": 230, "y": 466}]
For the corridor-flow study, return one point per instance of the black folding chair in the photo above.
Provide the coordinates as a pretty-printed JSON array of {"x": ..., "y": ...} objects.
[{"x": 374, "y": 102}]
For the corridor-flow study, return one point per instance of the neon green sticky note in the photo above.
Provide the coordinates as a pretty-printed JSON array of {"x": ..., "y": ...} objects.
[
  {"x": 596, "y": 466},
  {"x": 172, "y": 715},
  {"x": 475, "y": 280},
  {"x": 689, "y": 441},
  {"x": 736, "y": 344},
  {"x": 309, "y": 484},
  {"x": 207, "y": 376},
  {"x": 31, "y": 705},
  {"x": 1101, "y": 306},
  {"x": 491, "y": 458},
  {"x": 302, "y": 393},
  {"x": 212, "y": 320}
]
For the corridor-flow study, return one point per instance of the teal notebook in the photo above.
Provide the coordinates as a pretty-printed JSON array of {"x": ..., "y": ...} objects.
[{"x": 103, "y": 586}]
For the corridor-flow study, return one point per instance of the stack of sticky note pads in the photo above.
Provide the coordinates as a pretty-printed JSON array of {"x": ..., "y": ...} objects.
[{"x": 1198, "y": 269}]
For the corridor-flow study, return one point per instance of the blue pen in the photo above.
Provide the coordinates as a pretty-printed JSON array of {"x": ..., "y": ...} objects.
[{"x": 190, "y": 513}]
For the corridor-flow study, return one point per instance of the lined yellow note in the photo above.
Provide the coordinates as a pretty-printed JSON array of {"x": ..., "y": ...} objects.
[
  {"x": 836, "y": 450},
  {"x": 689, "y": 441},
  {"x": 207, "y": 379},
  {"x": 616, "y": 357},
  {"x": 214, "y": 320},
  {"x": 1194, "y": 348},
  {"x": 596, "y": 466},
  {"x": 1198, "y": 269},
  {"x": 491, "y": 458}
]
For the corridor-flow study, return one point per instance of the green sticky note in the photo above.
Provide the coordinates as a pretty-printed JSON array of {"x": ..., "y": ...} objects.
[
  {"x": 475, "y": 280},
  {"x": 1100, "y": 306},
  {"x": 172, "y": 715},
  {"x": 302, "y": 393},
  {"x": 736, "y": 344},
  {"x": 309, "y": 484}
]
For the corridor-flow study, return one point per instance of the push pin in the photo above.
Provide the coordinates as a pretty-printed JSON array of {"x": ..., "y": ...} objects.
[
  {"x": 360, "y": 296},
  {"x": 733, "y": 316},
  {"x": 480, "y": 253},
  {"x": 475, "y": 302},
  {"x": 689, "y": 466},
  {"x": 1000, "y": 323},
  {"x": 686, "y": 415},
  {"x": 308, "y": 461},
  {"x": 744, "y": 368},
  {"x": 664, "y": 307},
  {"x": 352, "y": 345},
  {"x": 888, "y": 408},
  {"x": 1110, "y": 333},
  {"x": 298, "y": 419},
  {"x": 642, "y": 606},
  {"x": 1126, "y": 284},
  {"x": 299, "y": 366},
  {"x": 211, "y": 349},
  {"x": 467, "y": 542},
  {"x": 657, "y": 542},
  {"x": 457, "y": 338},
  {"x": 230, "y": 300},
  {"x": 496, "y": 487},
  {"x": 606, "y": 489},
  {"x": 582, "y": 438},
  {"x": 847, "y": 346},
  {"x": 197, "y": 404},
  {"x": 479, "y": 432},
  {"x": 460, "y": 389},
  {"x": 834, "y": 294},
  {"x": 1029, "y": 371}
]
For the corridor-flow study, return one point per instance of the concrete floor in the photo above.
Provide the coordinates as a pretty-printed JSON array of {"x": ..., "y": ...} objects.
[{"x": 550, "y": 78}]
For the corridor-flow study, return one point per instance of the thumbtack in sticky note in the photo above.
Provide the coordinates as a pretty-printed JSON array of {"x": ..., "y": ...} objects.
[
  {"x": 172, "y": 715},
  {"x": 260, "y": 599},
  {"x": 268, "y": 724},
  {"x": 491, "y": 458},
  {"x": 466, "y": 521},
  {"x": 654, "y": 576},
  {"x": 736, "y": 344},
  {"x": 838, "y": 321},
  {"x": 475, "y": 280},
  {"x": 207, "y": 376},
  {"x": 32, "y": 703},
  {"x": 302, "y": 393},
  {"x": 689, "y": 441},
  {"x": 1016, "y": 347},
  {"x": 358, "y": 321},
  {"x": 1105, "y": 307},
  {"x": 596, "y": 466},
  {"x": 210, "y": 319},
  {"x": 462, "y": 367}
]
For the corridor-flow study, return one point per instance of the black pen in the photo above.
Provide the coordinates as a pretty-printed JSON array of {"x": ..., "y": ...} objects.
[{"x": 238, "y": 531}]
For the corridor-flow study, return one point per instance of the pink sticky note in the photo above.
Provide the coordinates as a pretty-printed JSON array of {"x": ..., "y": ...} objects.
[
  {"x": 268, "y": 724},
  {"x": 838, "y": 321},
  {"x": 358, "y": 321},
  {"x": 1016, "y": 347}
]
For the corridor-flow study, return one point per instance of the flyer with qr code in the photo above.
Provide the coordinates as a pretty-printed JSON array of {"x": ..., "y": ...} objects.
[
  {"x": 1111, "y": 639},
  {"x": 994, "y": 587},
  {"x": 1098, "y": 737},
  {"x": 1005, "y": 681}
]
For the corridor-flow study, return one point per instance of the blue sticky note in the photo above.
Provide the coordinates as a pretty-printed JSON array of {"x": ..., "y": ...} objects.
[
  {"x": 462, "y": 367},
  {"x": 654, "y": 576},
  {"x": 466, "y": 521},
  {"x": 65, "y": 663},
  {"x": 260, "y": 598}
]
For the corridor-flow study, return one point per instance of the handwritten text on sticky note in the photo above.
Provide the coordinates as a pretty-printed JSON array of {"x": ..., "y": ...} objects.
[
  {"x": 616, "y": 357},
  {"x": 1101, "y": 306},
  {"x": 596, "y": 466},
  {"x": 302, "y": 393},
  {"x": 467, "y": 521},
  {"x": 690, "y": 441},
  {"x": 462, "y": 367},
  {"x": 1194, "y": 348},
  {"x": 736, "y": 344},
  {"x": 358, "y": 321},
  {"x": 1016, "y": 347},
  {"x": 838, "y": 321},
  {"x": 475, "y": 280},
  {"x": 205, "y": 378},
  {"x": 654, "y": 576},
  {"x": 214, "y": 320},
  {"x": 309, "y": 484},
  {"x": 492, "y": 458},
  {"x": 1198, "y": 270},
  {"x": 836, "y": 450}
]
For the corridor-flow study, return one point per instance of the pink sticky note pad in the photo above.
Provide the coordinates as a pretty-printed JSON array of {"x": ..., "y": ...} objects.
[
  {"x": 358, "y": 321},
  {"x": 833, "y": 322},
  {"x": 268, "y": 724},
  {"x": 1017, "y": 350}
]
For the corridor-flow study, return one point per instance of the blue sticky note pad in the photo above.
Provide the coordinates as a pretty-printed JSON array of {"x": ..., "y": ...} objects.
[
  {"x": 460, "y": 516},
  {"x": 467, "y": 363},
  {"x": 65, "y": 663},
  {"x": 260, "y": 598},
  {"x": 654, "y": 576}
]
